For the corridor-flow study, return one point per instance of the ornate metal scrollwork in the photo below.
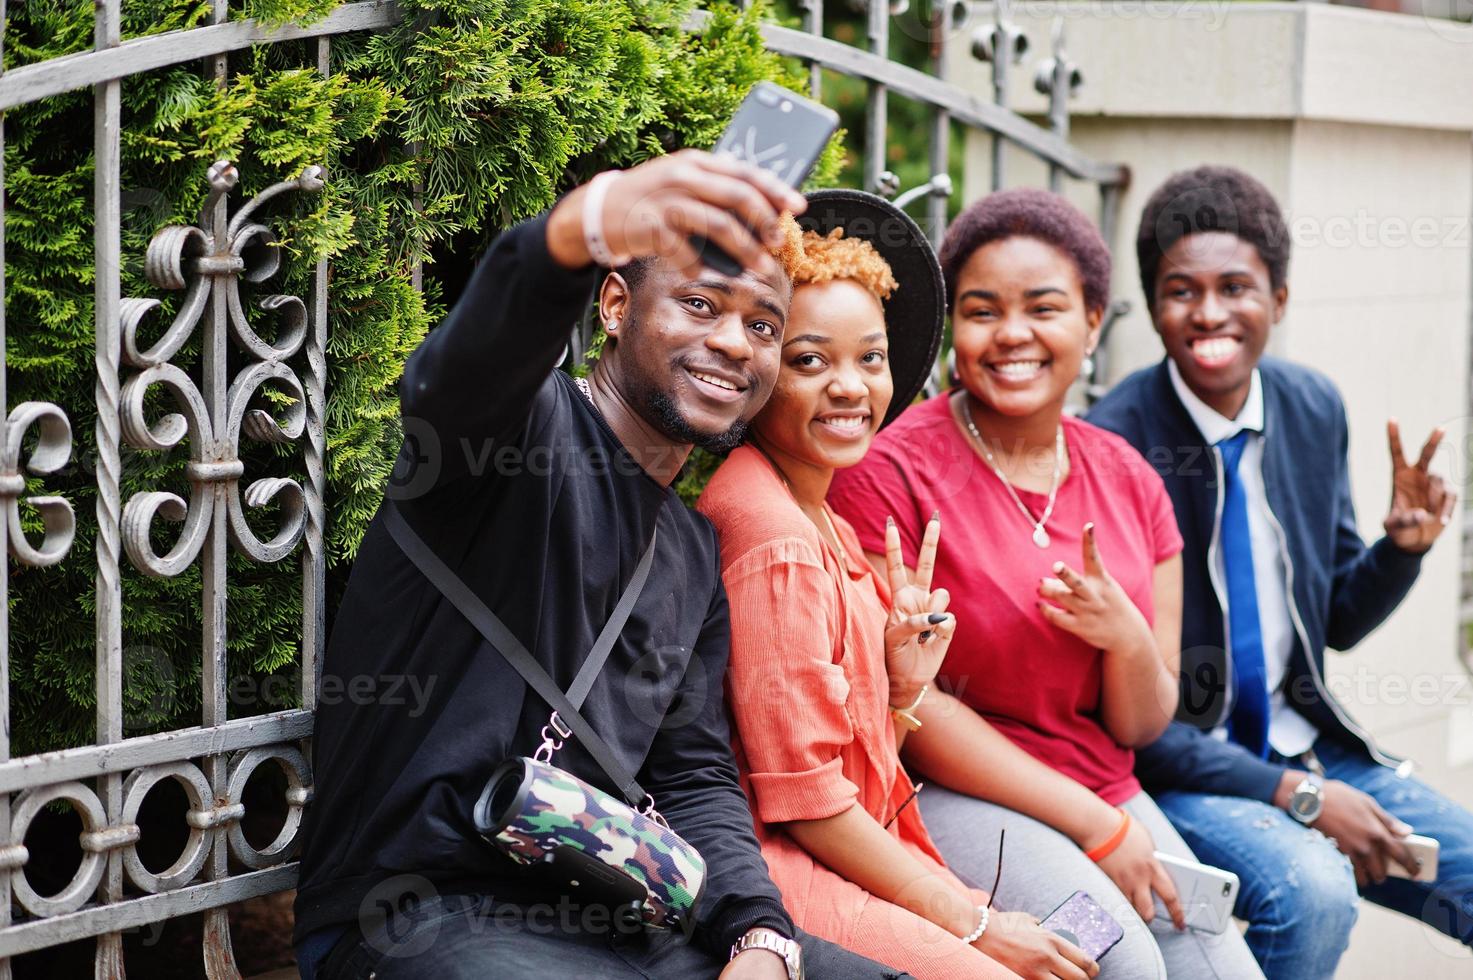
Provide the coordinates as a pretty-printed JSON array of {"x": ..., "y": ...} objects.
[
  {"x": 96, "y": 839},
  {"x": 53, "y": 449},
  {"x": 208, "y": 261},
  {"x": 298, "y": 793}
]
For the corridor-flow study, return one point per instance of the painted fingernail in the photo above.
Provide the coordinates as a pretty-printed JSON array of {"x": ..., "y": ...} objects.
[
  {"x": 925, "y": 635},
  {"x": 936, "y": 514},
  {"x": 1089, "y": 528},
  {"x": 1058, "y": 567},
  {"x": 935, "y": 618}
]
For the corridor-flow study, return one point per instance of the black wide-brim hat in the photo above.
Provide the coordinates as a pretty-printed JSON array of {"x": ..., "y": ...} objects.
[{"x": 915, "y": 312}]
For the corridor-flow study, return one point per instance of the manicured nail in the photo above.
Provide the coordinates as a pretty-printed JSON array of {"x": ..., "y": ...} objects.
[
  {"x": 1058, "y": 568},
  {"x": 1089, "y": 528},
  {"x": 936, "y": 515},
  {"x": 936, "y": 618},
  {"x": 889, "y": 522},
  {"x": 925, "y": 635}
]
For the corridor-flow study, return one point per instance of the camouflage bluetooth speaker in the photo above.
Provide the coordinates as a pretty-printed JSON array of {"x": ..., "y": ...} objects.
[{"x": 539, "y": 814}]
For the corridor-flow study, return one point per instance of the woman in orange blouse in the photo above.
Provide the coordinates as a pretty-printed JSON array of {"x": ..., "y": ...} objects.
[{"x": 825, "y": 655}]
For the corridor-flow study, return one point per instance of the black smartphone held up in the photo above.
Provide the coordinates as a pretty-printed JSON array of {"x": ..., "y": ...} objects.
[
  {"x": 779, "y": 131},
  {"x": 1084, "y": 923}
]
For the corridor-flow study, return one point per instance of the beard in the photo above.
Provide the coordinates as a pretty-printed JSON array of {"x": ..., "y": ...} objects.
[{"x": 666, "y": 415}]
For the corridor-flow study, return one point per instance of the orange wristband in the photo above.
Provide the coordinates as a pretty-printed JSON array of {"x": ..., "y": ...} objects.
[{"x": 1105, "y": 849}]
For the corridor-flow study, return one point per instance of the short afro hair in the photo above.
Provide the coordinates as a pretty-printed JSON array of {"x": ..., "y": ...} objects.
[
  {"x": 807, "y": 256},
  {"x": 1211, "y": 199},
  {"x": 1026, "y": 212}
]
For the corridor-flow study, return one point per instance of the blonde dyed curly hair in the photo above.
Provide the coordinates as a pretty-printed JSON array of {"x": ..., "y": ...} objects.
[{"x": 807, "y": 257}]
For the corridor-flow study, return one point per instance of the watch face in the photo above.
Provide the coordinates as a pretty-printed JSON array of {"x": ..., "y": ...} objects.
[{"x": 1305, "y": 805}]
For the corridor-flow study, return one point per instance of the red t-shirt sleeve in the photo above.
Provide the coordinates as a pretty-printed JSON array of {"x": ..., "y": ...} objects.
[{"x": 866, "y": 494}]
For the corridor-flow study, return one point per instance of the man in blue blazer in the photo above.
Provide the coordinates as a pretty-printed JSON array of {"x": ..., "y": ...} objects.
[{"x": 1264, "y": 772}]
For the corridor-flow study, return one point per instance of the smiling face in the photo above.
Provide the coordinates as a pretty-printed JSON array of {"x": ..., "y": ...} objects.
[
  {"x": 834, "y": 387},
  {"x": 1020, "y": 327},
  {"x": 697, "y": 358},
  {"x": 1213, "y": 307}
]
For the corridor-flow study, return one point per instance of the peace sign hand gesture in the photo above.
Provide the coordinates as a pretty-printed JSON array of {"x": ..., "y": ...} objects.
[
  {"x": 919, "y": 629},
  {"x": 1421, "y": 503}
]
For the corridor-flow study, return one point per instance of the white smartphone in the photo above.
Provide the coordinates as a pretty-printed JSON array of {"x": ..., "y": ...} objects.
[
  {"x": 1424, "y": 849},
  {"x": 1207, "y": 894}
]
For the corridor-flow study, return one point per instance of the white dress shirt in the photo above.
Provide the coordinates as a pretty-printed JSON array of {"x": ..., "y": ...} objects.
[{"x": 1289, "y": 732}]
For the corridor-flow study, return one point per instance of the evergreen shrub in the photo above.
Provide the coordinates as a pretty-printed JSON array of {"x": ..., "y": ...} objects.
[{"x": 466, "y": 117}]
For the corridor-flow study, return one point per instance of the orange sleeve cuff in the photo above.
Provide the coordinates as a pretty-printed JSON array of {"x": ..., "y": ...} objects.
[{"x": 811, "y": 795}]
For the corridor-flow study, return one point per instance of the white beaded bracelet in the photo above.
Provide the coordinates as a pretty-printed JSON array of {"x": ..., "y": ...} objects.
[
  {"x": 986, "y": 914},
  {"x": 593, "y": 221}
]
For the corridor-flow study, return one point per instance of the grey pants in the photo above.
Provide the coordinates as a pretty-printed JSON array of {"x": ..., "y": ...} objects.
[
  {"x": 1041, "y": 868},
  {"x": 470, "y": 937}
]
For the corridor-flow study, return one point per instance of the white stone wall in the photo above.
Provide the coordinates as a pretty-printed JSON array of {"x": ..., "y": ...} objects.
[{"x": 1359, "y": 122}]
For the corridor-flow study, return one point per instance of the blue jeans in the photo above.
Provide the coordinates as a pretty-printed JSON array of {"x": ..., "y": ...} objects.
[
  {"x": 1298, "y": 891},
  {"x": 474, "y": 937}
]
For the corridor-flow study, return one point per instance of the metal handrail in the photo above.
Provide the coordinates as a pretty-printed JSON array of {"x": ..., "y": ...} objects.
[
  {"x": 937, "y": 93},
  {"x": 69, "y": 73}
]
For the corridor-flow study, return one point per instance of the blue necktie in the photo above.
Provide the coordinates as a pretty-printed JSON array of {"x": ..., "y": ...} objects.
[{"x": 1248, "y": 724}]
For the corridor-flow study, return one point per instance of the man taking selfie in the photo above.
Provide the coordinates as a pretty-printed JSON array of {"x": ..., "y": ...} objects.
[{"x": 542, "y": 495}]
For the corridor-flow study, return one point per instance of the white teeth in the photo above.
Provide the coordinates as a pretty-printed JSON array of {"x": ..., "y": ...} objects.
[
  {"x": 1217, "y": 348},
  {"x": 1018, "y": 369},
  {"x": 846, "y": 421},
  {"x": 718, "y": 382}
]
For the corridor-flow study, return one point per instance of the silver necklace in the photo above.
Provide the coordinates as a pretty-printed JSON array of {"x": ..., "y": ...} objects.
[{"x": 1040, "y": 536}]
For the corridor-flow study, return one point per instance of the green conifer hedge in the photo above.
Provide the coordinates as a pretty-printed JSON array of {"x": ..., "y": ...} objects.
[{"x": 490, "y": 108}]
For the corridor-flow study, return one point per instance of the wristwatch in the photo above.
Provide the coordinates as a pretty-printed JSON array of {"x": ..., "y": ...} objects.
[
  {"x": 789, "y": 950},
  {"x": 1308, "y": 799}
]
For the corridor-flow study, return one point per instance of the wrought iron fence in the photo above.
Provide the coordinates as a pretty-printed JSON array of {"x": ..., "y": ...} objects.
[{"x": 230, "y": 243}]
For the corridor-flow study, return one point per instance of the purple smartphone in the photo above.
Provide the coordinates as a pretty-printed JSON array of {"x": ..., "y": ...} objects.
[{"x": 1081, "y": 921}]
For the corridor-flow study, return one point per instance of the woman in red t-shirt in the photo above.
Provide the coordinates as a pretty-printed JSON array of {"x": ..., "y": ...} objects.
[{"x": 1062, "y": 560}]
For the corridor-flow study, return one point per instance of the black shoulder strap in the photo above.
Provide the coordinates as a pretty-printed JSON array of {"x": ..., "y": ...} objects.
[{"x": 496, "y": 633}]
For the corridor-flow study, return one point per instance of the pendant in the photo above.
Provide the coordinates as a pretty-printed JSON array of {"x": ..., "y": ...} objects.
[{"x": 1040, "y": 536}]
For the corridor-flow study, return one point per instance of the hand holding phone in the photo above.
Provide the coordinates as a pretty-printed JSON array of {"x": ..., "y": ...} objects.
[
  {"x": 779, "y": 131},
  {"x": 1082, "y": 921},
  {"x": 1207, "y": 894},
  {"x": 1425, "y": 850},
  {"x": 654, "y": 208}
]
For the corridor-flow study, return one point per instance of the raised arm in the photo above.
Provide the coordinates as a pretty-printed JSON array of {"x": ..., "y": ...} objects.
[
  {"x": 1369, "y": 583},
  {"x": 474, "y": 378}
]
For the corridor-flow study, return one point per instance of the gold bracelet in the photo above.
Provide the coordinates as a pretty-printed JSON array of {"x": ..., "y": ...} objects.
[{"x": 906, "y": 716}]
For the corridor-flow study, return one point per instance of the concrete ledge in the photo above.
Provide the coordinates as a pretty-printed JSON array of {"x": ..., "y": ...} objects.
[{"x": 1225, "y": 60}]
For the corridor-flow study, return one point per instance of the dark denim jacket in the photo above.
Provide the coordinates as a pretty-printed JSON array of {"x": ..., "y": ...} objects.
[{"x": 1340, "y": 589}]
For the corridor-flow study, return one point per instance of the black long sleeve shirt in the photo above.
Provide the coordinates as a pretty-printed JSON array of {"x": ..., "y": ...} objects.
[{"x": 520, "y": 486}]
